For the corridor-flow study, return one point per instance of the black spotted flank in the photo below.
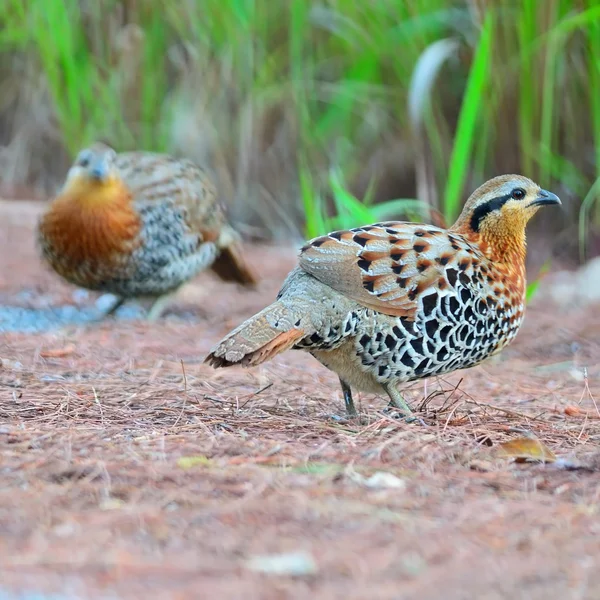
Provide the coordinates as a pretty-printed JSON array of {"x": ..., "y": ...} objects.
[
  {"x": 417, "y": 345},
  {"x": 429, "y": 303},
  {"x": 464, "y": 279},
  {"x": 318, "y": 242},
  {"x": 409, "y": 326},
  {"x": 465, "y": 295},
  {"x": 398, "y": 268},
  {"x": 336, "y": 235},
  {"x": 369, "y": 285},
  {"x": 396, "y": 255},
  {"x": 422, "y": 366},
  {"x": 419, "y": 233},
  {"x": 407, "y": 360},
  {"x": 453, "y": 305},
  {"x": 445, "y": 332},
  {"x": 452, "y": 275},
  {"x": 420, "y": 247},
  {"x": 468, "y": 315},
  {"x": 431, "y": 327}
]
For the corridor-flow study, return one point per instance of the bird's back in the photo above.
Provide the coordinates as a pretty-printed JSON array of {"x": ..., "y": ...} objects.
[{"x": 161, "y": 179}]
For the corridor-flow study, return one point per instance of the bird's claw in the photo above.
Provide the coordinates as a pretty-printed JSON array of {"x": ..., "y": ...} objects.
[{"x": 394, "y": 413}]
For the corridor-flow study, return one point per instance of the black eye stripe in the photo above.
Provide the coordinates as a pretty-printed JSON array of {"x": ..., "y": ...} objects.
[{"x": 485, "y": 209}]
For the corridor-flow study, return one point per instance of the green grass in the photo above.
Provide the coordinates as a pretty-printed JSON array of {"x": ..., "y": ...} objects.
[{"x": 518, "y": 89}]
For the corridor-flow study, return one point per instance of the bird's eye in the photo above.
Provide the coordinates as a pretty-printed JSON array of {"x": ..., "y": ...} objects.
[{"x": 518, "y": 194}]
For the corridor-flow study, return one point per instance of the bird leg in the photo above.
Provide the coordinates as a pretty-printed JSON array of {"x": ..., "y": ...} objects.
[
  {"x": 158, "y": 306},
  {"x": 347, "y": 391},
  {"x": 114, "y": 308},
  {"x": 399, "y": 403}
]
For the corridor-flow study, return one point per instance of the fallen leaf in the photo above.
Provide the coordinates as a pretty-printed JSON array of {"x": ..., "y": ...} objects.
[
  {"x": 572, "y": 411},
  {"x": 189, "y": 462},
  {"x": 111, "y": 504},
  {"x": 526, "y": 448},
  {"x": 58, "y": 352}
]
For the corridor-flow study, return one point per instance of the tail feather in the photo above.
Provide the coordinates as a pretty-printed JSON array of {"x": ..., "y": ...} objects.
[
  {"x": 260, "y": 338},
  {"x": 231, "y": 265}
]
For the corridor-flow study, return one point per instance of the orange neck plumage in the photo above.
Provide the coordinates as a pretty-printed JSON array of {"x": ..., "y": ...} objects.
[
  {"x": 502, "y": 240},
  {"x": 91, "y": 221}
]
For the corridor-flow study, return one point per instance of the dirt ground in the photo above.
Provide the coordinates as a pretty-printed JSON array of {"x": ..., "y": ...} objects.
[{"x": 131, "y": 470}]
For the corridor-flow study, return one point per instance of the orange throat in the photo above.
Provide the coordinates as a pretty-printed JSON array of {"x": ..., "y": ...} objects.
[
  {"x": 91, "y": 222},
  {"x": 509, "y": 248},
  {"x": 506, "y": 248}
]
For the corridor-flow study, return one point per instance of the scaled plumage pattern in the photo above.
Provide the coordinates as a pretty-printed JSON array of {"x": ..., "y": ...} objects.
[
  {"x": 138, "y": 224},
  {"x": 393, "y": 302}
]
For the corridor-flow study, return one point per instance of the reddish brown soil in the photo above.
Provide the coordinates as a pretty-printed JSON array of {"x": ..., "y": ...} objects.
[{"x": 96, "y": 500}]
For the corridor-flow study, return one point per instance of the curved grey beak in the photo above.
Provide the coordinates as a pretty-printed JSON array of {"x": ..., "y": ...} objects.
[{"x": 545, "y": 198}]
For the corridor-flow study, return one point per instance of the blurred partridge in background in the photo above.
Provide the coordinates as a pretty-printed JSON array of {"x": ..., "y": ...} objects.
[
  {"x": 393, "y": 302},
  {"x": 138, "y": 225}
]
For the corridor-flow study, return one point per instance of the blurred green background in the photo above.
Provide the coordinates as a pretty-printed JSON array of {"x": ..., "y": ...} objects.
[{"x": 318, "y": 114}]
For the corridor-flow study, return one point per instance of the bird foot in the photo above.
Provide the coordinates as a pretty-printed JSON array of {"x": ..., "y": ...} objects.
[
  {"x": 410, "y": 418},
  {"x": 342, "y": 419}
]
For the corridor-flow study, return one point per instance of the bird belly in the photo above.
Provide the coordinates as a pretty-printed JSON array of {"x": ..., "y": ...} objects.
[
  {"x": 344, "y": 361},
  {"x": 444, "y": 337},
  {"x": 370, "y": 349}
]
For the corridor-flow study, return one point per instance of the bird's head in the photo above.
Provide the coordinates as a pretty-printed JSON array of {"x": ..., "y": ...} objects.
[
  {"x": 93, "y": 176},
  {"x": 499, "y": 211}
]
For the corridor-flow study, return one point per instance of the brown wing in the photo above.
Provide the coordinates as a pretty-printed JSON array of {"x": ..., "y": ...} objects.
[
  {"x": 386, "y": 266},
  {"x": 159, "y": 177},
  {"x": 156, "y": 177}
]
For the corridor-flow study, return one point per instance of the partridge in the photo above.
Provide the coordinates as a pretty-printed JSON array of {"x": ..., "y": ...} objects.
[
  {"x": 138, "y": 225},
  {"x": 394, "y": 302}
]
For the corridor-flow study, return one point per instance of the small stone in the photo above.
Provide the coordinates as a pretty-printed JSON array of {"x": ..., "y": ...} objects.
[
  {"x": 105, "y": 302},
  {"x": 291, "y": 564}
]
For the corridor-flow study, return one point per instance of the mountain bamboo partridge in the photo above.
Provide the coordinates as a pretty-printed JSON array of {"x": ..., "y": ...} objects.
[
  {"x": 393, "y": 302},
  {"x": 138, "y": 225}
]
